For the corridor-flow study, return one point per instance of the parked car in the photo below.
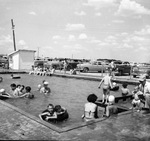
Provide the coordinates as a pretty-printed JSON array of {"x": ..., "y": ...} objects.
[
  {"x": 39, "y": 63},
  {"x": 58, "y": 65},
  {"x": 122, "y": 67},
  {"x": 140, "y": 70},
  {"x": 4, "y": 63},
  {"x": 96, "y": 66}
]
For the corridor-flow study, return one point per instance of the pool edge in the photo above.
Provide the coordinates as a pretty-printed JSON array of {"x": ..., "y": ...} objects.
[{"x": 53, "y": 127}]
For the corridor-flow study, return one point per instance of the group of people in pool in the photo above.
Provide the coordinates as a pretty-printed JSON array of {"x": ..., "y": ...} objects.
[{"x": 17, "y": 91}]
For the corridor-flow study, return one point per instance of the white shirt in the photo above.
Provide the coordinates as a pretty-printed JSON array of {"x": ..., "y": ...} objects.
[
  {"x": 147, "y": 88},
  {"x": 90, "y": 109}
]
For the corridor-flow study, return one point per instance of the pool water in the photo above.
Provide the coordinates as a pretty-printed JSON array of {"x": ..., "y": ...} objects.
[{"x": 67, "y": 92}]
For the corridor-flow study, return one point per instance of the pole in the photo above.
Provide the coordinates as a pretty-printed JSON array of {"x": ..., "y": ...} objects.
[{"x": 13, "y": 29}]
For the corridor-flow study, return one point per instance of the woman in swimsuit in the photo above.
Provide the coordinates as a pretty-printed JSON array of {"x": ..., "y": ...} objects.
[{"x": 90, "y": 108}]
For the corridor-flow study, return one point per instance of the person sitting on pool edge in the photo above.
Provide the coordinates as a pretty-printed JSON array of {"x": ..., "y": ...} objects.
[
  {"x": 124, "y": 90},
  {"x": 90, "y": 108},
  {"x": 45, "y": 89},
  {"x": 136, "y": 102},
  {"x": 111, "y": 108},
  {"x": 49, "y": 114},
  {"x": 28, "y": 93}
]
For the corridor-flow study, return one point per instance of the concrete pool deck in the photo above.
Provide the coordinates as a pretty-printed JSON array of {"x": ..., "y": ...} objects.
[{"x": 129, "y": 126}]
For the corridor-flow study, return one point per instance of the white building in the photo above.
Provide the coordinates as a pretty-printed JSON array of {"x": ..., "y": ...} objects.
[{"x": 21, "y": 59}]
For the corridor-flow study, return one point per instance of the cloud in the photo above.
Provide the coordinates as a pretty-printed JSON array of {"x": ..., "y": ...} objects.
[
  {"x": 82, "y": 13},
  {"x": 111, "y": 39},
  {"x": 100, "y": 3},
  {"x": 71, "y": 38},
  {"x": 21, "y": 42},
  {"x": 48, "y": 47},
  {"x": 32, "y": 13},
  {"x": 56, "y": 37},
  {"x": 71, "y": 27},
  {"x": 103, "y": 44},
  {"x": 98, "y": 14},
  {"x": 129, "y": 7},
  {"x": 76, "y": 48},
  {"x": 125, "y": 45},
  {"x": 144, "y": 31},
  {"x": 94, "y": 41},
  {"x": 118, "y": 21},
  {"x": 82, "y": 36},
  {"x": 22, "y": 45},
  {"x": 137, "y": 38},
  {"x": 2, "y": 29},
  {"x": 5, "y": 40},
  {"x": 143, "y": 48}
]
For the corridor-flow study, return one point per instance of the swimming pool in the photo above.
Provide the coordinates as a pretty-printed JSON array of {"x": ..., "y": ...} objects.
[{"x": 67, "y": 92}]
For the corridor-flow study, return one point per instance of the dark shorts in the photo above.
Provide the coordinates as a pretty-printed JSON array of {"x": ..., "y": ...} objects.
[{"x": 106, "y": 89}]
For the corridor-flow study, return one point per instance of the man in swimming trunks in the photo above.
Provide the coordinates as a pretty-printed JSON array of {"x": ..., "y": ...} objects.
[{"x": 107, "y": 84}]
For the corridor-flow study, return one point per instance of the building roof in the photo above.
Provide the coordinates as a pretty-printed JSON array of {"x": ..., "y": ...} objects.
[{"x": 20, "y": 50}]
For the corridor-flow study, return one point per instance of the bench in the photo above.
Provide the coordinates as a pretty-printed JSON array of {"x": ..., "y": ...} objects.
[{"x": 117, "y": 99}]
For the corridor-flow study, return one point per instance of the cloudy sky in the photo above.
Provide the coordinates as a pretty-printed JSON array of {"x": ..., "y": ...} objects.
[{"x": 89, "y": 29}]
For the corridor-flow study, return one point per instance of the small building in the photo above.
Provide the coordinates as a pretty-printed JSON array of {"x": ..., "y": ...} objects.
[{"x": 21, "y": 59}]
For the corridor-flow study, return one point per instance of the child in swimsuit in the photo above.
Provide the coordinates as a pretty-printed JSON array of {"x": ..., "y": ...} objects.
[
  {"x": 111, "y": 108},
  {"x": 28, "y": 93},
  {"x": 107, "y": 84},
  {"x": 124, "y": 90},
  {"x": 136, "y": 102}
]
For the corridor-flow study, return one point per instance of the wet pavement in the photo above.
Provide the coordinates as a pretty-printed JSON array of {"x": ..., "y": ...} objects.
[{"x": 128, "y": 126}]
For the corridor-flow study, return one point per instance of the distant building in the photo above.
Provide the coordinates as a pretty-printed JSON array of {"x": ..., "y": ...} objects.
[{"x": 21, "y": 59}]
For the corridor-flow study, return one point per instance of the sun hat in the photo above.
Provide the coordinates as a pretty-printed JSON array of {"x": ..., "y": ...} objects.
[
  {"x": 111, "y": 99},
  {"x": 142, "y": 78},
  {"x": 46, "y": 83}
]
